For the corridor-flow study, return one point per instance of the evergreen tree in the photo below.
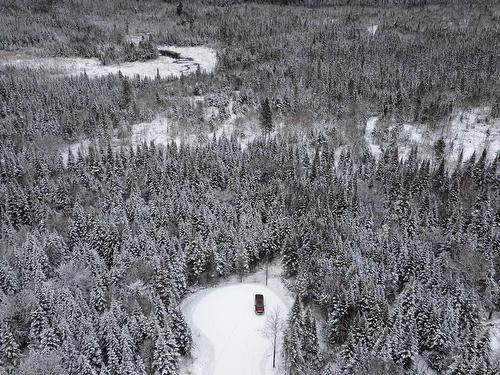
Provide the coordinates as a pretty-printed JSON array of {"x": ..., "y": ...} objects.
[
  {"x": 9, "y": 347},
  {"x": 165, "y": 355},
  {"x": 293, "y": 338},
  {"x": 310, "y": 345},
  {"x": 126, "y": 96},
  {"x": 181, "y": 332},
  {"x": 266, "y": 117}
]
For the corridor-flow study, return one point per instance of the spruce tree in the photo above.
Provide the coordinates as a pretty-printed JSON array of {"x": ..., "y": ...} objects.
[
  {"x": 165, "y": 355},
  {"x": 294, "y": 338},
  {"x": 9, "y": 349},
  {"x": 266, "y": 117},
  {"x": 310, "y": 345},
  {"x": 181, "y": 332}
]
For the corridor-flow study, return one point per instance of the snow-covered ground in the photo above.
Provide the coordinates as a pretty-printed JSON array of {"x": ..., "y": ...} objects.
[
  {"x": 470, "y": 131},
  {"x": 494, "y": 326},
  {"x": 372, "y": 29},
  {"x": 370, "y": 127},
  {"x": 205, "y": 56},
  {"x": 162, "y": 131},
  {"x": 158, "y": 131},
  {"x": 191, "y": 57},
  {"x": 228, "y": 336}
]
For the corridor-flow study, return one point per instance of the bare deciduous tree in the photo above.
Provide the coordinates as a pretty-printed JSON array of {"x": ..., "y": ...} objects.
[{"x": 272, "y": 328}]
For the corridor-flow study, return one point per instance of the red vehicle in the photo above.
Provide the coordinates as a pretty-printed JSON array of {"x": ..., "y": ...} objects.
[{"x": 259, "y": 304}]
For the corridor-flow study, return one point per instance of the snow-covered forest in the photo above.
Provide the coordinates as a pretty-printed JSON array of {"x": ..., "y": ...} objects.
[{"x": 155, "y": 151}]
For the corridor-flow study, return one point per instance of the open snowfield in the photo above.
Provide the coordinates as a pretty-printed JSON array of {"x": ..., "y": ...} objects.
[
  {"x": 191, "y": 57},
  {"x": 228, "y": 336}
]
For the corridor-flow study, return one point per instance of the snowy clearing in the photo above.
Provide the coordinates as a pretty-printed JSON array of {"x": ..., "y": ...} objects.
[
  {"x": 471, "y": 131},
  {"x": 370, "y": 127},
  {"x": 163, "y": 132},
  {"x": 191, "y": 57},
  {"x": 227, "y": 334}
]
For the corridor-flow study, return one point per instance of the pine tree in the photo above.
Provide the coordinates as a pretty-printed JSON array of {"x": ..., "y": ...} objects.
[
  {"x": 310, "y": 345},
  {"x": 91, "y": 348},
  {"x": 126, "y": 96},
  {"x": 108, "y": 332},
  {"x": 49, "y": 339},
  {"x": 242, "y": 259},
  {"x": 81, "y": 365},
  {"x": 8, "y": 280},
  {"x": 293, "y": 338},
  {"x": 127, "y": 366},
  {"x": 38, "y": 324},
  {"x": 9, "y": 349},
  {"x": 290, "y": 259},
  {"x": 403, "y": 342},
  {"x": 98, "y": 296},
  {"x": 197, "y": 257},
  {"x": 266, "y": 117},
  {"x": 165, "y": 355},
  {"x": 293, "y": 354},
  {"x": 181, "y": 332}
]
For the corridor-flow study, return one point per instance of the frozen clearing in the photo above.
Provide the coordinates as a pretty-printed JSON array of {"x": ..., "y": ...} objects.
[
  {"x": 228, "y": 336},
  {"x": 191, "y": 57}
]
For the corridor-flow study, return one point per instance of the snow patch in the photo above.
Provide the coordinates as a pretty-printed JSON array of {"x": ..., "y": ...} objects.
[
  {"x": 413, "y": 134},
  {"x": 470, "y": 131},
  {"x": 372, "y": 29},
  {"x": 157, "y": 131},
  {"x": 495, "y": 338},
  {"x": 370, "y": 127},
  {"x": 162, "y": 131},
  {"x": 205, "y": 56},
  {"x": 410, "y": 135},
  {"x": 422, "y": 366},
  {"x": 191, "y": 58}
]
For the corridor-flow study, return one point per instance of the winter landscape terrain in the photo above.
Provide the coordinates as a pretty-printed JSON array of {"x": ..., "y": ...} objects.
[
  {"x": 162, "y": 162},
  {"x": 466, "y": 132},
  {"x": 164, "y": 66}
]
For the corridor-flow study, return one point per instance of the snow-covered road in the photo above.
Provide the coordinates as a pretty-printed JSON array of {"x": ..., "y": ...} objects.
[{"x": 228, "y": 336}]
